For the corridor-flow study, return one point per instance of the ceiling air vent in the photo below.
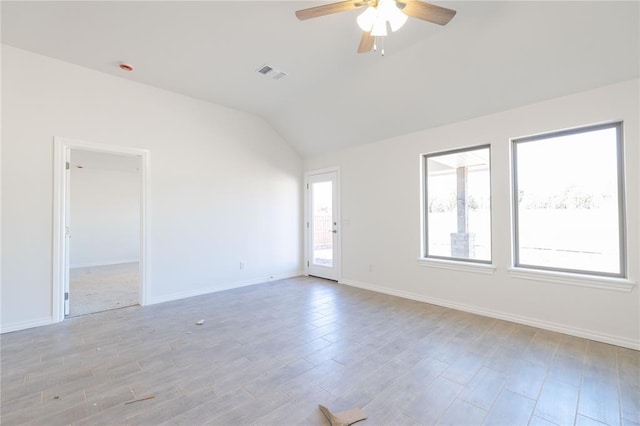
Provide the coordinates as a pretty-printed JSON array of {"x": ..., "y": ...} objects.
[
  {"x": 271, "y": 72},
  {"x": 266, "y": 69}
]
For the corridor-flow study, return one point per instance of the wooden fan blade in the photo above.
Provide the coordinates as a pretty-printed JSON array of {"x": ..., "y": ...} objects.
[
  {"x": 428, "y": 12},
  {"x": 327, "y": 9},
  {"x": 366, "y": 42}
]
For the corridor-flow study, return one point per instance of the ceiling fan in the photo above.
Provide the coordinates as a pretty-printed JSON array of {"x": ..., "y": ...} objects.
[{"x": 373, "y": 21}]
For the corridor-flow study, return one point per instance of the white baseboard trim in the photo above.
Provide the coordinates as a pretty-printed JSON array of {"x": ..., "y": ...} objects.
[
  {"x": 222, "y": 287},
  {"x": 110, "y": 262},
  {"x": 546, "y": 325},
  {"x": 23, "y": 325}
]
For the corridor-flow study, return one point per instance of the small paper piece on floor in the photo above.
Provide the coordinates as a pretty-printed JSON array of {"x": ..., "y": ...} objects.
[
  {"x": 144, "y": 398},
  {"x": 199, "y": 322},
  {"x": 343, "y": 418}
]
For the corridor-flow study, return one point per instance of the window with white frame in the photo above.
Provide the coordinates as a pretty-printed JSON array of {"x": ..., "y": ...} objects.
[
  {"x": 568, "y": 201},
  {"x": 457, "y": 205}
]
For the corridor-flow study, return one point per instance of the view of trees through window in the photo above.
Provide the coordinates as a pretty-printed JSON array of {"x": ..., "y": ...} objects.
[{"x": 568, "y": 206}]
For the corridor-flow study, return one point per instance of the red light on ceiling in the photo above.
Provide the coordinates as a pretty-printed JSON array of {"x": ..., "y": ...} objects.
[{"x": 126, "y": 67}]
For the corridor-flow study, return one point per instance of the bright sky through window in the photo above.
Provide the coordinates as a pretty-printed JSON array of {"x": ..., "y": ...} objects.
[{"x": 568, "y": 205}]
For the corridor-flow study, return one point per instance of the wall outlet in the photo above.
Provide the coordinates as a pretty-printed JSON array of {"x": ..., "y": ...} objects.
[{"x": 241, "y": 265}]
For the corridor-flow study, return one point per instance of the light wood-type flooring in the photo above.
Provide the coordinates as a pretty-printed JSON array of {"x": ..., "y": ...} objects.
[
  {"x": 99, "y": 288},
  {"x": 269, "y": 354}
]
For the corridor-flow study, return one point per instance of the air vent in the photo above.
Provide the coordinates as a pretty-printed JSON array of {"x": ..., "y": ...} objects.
[
  {"x": 266, "y": 69},
  {"x": 271, "y": 72}
]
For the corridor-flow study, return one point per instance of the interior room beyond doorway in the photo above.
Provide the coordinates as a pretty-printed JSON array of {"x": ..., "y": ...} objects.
[{"x": 104, "y": 207}]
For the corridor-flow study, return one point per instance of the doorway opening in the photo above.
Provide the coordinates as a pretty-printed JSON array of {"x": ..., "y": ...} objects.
[
  {"x": 104, "y": 237},
  {"x": 100, "y": 238}
]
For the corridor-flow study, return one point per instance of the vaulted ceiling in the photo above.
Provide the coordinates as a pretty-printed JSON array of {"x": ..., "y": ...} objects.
[{"x": 492, "y": 56}]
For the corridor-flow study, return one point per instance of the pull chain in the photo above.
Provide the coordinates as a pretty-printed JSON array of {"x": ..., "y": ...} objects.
[{"x": 375, "y": 45}]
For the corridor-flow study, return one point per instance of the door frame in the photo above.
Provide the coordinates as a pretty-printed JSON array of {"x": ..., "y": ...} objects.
[
  {"x": 61, "y": 212},
  {"x": 307, "y": 209}
]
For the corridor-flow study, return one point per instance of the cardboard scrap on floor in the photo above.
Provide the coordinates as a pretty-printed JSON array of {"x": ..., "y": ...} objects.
[
  {"x": 144, "y": 398},
  {"x": 343, "y": 418}
]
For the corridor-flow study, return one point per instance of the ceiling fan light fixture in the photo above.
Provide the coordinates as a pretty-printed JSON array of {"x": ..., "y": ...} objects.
[
  {"x": 374, "y": 19},
  {"x": 395, "y": 17},
  {"x": 379, "y": 28},
  {"x": 378, "y": 14},
  {"x": 366, "y": 19}
]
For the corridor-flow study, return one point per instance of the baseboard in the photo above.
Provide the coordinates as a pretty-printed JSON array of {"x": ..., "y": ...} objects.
[
  {"x": 111, "y": 262},
  {"x": 546, "y": 325},
  {"x": 222, "y": 287},
  {"x": 23, "y": 325}
]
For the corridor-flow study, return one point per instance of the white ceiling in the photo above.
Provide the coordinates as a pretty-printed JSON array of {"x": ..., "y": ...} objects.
[{"x": 491, "y": 57}]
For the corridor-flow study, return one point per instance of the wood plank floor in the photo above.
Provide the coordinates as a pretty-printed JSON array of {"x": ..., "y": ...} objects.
[{"x": 269, "y": 354}]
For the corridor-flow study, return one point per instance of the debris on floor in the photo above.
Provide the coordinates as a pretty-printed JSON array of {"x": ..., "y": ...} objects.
[
  {"x": 144, "y": 398},
  {"x": 200, "y": 322},
  {"x": 343, "y": 418}
]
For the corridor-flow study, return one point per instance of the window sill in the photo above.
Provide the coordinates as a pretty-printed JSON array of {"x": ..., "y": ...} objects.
[
  {"x": 603, "y": 283},
  {"x": 481, "y": 268}
]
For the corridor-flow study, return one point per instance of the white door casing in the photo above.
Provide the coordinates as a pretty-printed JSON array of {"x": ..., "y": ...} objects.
[
  {"x": 61, "y": 220},
  {"x": 67, "y": 228}
]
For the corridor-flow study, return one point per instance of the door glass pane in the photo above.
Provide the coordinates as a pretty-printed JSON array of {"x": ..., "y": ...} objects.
[{"x": 322, "y": 224}]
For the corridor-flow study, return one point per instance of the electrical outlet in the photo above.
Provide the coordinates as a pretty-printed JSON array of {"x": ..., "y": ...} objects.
[{"x": 241, "y": 265}]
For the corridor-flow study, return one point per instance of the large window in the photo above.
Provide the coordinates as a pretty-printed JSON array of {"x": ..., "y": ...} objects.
[
  {"x": 458, "y": 205},
  {"x": 568, "y": 201}
]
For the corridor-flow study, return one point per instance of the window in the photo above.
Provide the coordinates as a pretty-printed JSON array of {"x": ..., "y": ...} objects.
[
  {"x": 568, "y": 201},
  {"x": 458, "y": 205}
]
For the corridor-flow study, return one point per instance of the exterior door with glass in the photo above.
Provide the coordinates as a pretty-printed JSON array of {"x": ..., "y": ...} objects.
[{"x": 322, "y": 225}]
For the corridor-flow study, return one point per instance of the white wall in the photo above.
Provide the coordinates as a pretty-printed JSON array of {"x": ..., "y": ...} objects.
[
  {"x": 224, "y": 186},
  {"x": 380, "y": 199},
  {"x": 105, "y": 216}
]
